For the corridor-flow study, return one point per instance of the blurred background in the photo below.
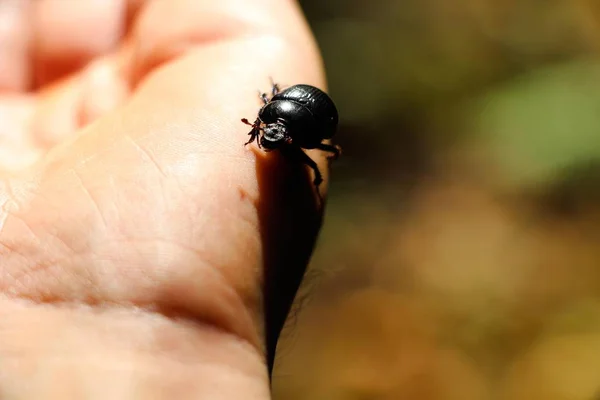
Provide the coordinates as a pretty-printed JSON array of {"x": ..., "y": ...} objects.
[{"x": 460, "y": 258}]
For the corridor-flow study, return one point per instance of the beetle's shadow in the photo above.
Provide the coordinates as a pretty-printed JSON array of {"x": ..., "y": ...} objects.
[{"x": 290, "y": 216}]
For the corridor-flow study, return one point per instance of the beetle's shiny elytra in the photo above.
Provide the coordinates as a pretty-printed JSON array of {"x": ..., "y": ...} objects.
[{"x": 299, "y": 117}]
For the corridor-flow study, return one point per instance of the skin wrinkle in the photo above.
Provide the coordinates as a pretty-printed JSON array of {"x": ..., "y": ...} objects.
[
  {"x": 6, "y": 205},
  {"x": 146, "y": 154},
  {"x": 46, "y": 266},
  {"x": 4, "y": 286},
  {"x": 21, "y": 284},
  {"x": 242, "y": 306},
  {"x": 104, "y": 309},
  {"x": 85, "y": 190},
  {"x": 210, "y": 147},
  {"x": 8, "y": 212},
  {"x": 225, "y": 265},
  {"x": 40, "y": 261},
  {"x": 165, "y": 306},
  {"x": 53, "y": 263}
]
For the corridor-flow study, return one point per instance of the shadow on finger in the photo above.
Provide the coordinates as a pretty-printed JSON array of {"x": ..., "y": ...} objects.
[{"x": 290, "y": 217}]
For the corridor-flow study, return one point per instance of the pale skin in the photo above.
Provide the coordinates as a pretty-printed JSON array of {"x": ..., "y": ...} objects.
[{"x": 145, "y": 253}]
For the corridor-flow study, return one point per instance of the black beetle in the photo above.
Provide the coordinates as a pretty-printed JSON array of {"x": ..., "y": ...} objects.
[{"x": 299, "y": 117}]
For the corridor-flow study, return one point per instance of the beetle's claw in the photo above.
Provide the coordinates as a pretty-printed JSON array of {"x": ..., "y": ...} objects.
[
  {"x": 253, "y": 133},
  {"x": 253, "y": 136}
]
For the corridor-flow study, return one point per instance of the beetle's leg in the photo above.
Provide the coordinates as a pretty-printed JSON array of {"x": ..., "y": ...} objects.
[
  {"x": 300, "y": 156},
  {"x": 335, "y": 150},
  {"x": 253, "y": 135},
  {"x": 263, "y": 97},
  {"x": 304, "y": 158},
  {"x": 274, "y": 87},
  {"x": 254, "y": 132}
]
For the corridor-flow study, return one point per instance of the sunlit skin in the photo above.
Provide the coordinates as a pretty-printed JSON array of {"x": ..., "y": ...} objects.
[{"x": 145, "y": 252}]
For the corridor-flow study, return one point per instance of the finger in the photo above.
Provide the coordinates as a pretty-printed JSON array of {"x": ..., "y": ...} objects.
[
  {"x": 15, "y": 39},
  {"x": 68, "y": 105},
  {"x": 17, "y": 148},
  {"x": 222, "y": 60},
  {"x": 103, "y": 89},
  {"x": 55, "y": 116},
  {"x": 69, "y": 33}
]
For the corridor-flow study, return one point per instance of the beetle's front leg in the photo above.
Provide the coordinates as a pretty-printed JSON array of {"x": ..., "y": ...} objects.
[{"x": 254, "y": 132}]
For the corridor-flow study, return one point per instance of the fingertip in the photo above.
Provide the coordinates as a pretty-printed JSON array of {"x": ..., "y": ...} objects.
[
  {"x": 103, "y": 89},
  {"x": 67, "y": 36},
  {"x": 56, "y": 111},
  {"x": 15, "y": 45}
]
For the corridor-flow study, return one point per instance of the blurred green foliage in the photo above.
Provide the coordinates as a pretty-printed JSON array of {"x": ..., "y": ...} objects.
[
  {"x": 459, "y": 257},
  {"x": 544, "y": 122}
]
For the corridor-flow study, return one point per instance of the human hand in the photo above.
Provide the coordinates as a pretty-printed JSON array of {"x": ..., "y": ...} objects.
[{"x": 145, "y": 253}]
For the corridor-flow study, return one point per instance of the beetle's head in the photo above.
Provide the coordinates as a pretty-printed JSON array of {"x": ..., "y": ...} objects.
[{"x": 274, "y": 135}]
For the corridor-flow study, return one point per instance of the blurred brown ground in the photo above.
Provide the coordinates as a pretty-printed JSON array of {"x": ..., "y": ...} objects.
[{"x": 460, "y": 257}]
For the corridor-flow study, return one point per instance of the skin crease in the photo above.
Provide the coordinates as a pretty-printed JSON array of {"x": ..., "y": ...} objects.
[{"x": 144, "y": 252}]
